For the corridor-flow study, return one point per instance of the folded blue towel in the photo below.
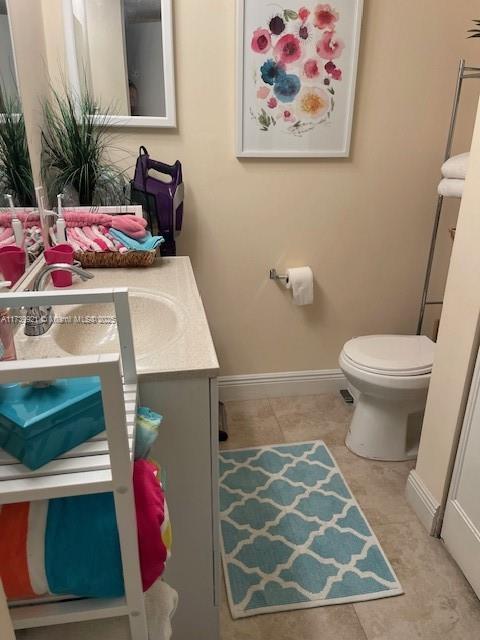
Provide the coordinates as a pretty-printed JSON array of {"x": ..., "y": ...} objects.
[
  {"x": 82, "y": 548},
  {"x": 147, "y": 243}
]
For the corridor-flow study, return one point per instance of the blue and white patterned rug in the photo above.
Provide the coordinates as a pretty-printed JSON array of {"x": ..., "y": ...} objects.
[{"x": 293, "y": 535}]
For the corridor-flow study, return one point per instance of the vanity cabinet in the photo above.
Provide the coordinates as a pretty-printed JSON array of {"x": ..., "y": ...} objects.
[
  {"x": 176, "y": 368},
  {"x": 187, "y": 450}
]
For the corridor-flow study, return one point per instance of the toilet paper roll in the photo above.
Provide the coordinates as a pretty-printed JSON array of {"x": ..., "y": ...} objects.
[{"x": 300, "y": 281}]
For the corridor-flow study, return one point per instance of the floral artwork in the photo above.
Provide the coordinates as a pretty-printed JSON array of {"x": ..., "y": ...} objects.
[
  {"x": 297, "y": 73},
  {"x": 298, "y": 59}
]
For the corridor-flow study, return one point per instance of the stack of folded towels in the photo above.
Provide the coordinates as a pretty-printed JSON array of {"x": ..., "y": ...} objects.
[
  {"x": 454, "y": 172},
  {"x": 33, "y": 242},
  {"x": 101, "y": 232}
]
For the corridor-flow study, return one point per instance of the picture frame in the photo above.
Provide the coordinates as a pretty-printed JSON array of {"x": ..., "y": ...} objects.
[{"x": 296, "y": 70}]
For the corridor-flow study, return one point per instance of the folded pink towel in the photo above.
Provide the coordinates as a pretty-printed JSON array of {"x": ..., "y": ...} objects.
[
  {"x": 118, "y": 245},
  {"x": 6, "y": 233},
  {"x": 83, "y": 219},
  {"x": 28, "y": 219},
  {"x": 91, "y": 244},
  {"x": 81, "y": 241},
  {"x": 101, "y": 232},
  {"x": 130, "y": 225},
  {"x": 94, "y": 238},
  {"x": 73, "y": 241},
  {"x": 89, "y": 231},
  {"x": 8, "y": 240}
]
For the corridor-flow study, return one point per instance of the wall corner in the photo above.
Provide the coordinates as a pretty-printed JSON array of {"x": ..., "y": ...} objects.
[{"x": 425, "y": 505}]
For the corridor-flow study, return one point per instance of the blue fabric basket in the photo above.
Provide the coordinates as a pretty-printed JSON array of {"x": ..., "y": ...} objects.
[{"x": 39, "y": 424}]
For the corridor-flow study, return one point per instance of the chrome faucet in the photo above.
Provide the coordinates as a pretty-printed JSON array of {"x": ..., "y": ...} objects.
[{"x": 40, "y": 319}]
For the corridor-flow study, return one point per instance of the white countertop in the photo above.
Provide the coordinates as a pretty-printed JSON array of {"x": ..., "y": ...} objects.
[{"x": 187, "y": 352}]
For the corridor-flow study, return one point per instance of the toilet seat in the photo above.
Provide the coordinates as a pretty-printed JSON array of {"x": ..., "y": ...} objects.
[{"x": 391, "y": 355}]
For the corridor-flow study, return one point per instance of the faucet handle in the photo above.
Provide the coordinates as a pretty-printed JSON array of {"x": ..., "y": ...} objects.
[{"x": 38, "y": 321}]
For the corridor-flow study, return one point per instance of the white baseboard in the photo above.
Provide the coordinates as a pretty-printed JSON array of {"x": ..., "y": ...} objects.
[
  {"x": 274, "y": 385},
  {"x": 422, "y": 502}
]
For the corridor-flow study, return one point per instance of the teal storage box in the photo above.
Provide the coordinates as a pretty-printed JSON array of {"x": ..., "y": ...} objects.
[{"x": 39, "y": 424}]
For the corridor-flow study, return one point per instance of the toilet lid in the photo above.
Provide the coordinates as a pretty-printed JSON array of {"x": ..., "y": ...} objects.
[{"x": 395, "y": 355}]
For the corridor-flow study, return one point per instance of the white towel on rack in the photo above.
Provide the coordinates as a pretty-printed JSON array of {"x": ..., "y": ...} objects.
[
  {"x": 456, "y": 167},
  {"x": 450, "y": 188}
]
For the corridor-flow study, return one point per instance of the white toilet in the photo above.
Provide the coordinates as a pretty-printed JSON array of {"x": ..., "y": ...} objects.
[{"x": 391, "y": 374}]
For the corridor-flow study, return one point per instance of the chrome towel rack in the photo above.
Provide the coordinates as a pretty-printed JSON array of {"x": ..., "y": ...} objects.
[{"x": 464, "y": 73}]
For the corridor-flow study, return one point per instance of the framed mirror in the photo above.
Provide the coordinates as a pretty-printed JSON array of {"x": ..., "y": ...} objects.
[
  {"x": 121, "y": 52},
  {"x": 8, "y": 74},
  {"x": 16, "y": 179}
]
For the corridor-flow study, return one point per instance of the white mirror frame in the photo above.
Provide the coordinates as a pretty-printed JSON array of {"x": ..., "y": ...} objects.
[
  {"x": 170, "y": 119},
  {"x": 2, "y": 117}
]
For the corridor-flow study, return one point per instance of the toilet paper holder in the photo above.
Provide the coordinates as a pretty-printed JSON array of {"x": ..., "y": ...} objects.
[{"x": 276, "y": 276}]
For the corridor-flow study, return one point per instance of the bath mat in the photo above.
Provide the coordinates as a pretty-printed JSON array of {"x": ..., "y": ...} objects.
[{"x": 293, "y": 535}]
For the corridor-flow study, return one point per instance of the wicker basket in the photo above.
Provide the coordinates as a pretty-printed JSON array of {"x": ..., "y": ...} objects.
[{"x": 92, "y": 259}]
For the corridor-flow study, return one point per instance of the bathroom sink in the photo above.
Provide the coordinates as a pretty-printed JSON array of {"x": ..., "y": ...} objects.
[{"x": 157, "y": 322}]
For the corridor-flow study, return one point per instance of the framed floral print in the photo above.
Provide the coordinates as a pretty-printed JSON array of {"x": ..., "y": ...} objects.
[{"x": 296, "y": 71}]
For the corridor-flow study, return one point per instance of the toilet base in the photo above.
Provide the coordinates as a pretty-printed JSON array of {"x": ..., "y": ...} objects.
[{"x": 382, "y": 430}]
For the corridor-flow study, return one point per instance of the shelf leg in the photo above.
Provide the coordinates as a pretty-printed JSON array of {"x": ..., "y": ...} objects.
[
  {"x": 431, "y": 256},
  {"x": 127, "y": 531},
  {"x": 438, "y": 213}
]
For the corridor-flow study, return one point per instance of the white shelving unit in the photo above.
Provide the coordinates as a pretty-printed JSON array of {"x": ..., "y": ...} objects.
[
  {"x": 102, "y": 464},
  {"x": 465, "y": 72}
]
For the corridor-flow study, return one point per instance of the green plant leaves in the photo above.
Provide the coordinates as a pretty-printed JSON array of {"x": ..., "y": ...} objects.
[
  {"x": 289, "y": 14},
  {"x": 265, "y": 121},
  {"x": 15, "y": 168},
  {"x": 475, "y": 32},
  {"x": 75, "y": 147}
]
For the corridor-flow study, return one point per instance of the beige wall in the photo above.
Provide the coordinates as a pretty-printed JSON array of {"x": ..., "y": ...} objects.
[
  {"x": 363, "y": 223},
  {"x": 457, "y": 344}
]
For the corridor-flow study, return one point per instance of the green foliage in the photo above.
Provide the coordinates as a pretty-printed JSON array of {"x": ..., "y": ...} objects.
[
  {"x": 265, "y": 121},
  {"x": 289, "y": 14},
  {"x": 475, "y": 32},
  {"x": 15, "y": 168},
  {"x": 75, "y": 150}
]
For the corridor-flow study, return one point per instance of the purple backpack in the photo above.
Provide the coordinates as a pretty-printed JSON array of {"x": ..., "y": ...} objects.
[{"x": 161, "y": 199}]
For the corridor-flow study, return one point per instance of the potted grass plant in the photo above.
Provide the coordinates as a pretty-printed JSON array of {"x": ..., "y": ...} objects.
[
  {"x": 75, "y": 150},
  {"x": 15, "y": 169},
  {"x": 475, "y": 33}
]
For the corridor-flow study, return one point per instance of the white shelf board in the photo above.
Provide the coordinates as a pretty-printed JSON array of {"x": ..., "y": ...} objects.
[
  {"x": 82, "y": 470},
  {"x": 44, "y": 615}
]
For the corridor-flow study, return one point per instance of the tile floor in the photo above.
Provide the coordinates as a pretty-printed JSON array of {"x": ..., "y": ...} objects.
[{"x": 438, "y": 603}]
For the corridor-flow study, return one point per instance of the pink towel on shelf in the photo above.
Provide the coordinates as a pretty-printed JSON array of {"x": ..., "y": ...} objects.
[{"x": 151, "y": 510}]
